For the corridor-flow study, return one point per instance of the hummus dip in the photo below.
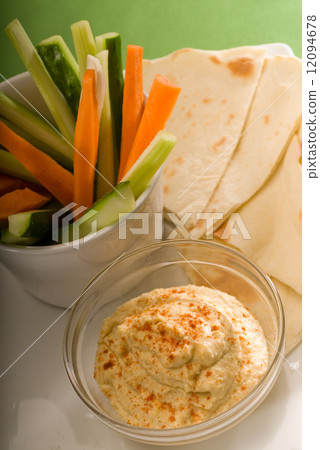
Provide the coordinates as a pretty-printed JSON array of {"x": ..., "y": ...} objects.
[{"x": 179, "y": 356}]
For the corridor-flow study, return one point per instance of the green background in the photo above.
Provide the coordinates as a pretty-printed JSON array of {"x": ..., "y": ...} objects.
[{"x": 160, "y": 26}]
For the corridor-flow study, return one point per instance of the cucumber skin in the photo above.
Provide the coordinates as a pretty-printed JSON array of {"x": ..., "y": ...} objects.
[
  {"x": 39, "y": 225},
  {"x": 55, "y": 101},
  {"x": 106, "y": 161},
  {"x": 63, "y": 75},
  {"x": 9, "y": 238},
  {"x": 102, "y": 207},
  {"x": 116, "y": 82}
]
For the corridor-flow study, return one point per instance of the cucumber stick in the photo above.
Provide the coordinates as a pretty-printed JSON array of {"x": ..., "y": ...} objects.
[
  {"x": 106, "y": 174},
  {"x": 63, "y": 69},
  {"x": 150, "y": 161},
  {"x": 10, "y": 165},
  {"x": 31, "y": 224},
  {"x": 112, "y": 43},
  {"x": 52, "y": 96},
  {"x": 35, "y": 130},
  {"x": 84, "y": 43},
  {"x": 105, "y": 211},
  {"x": 9, "y": 238}
]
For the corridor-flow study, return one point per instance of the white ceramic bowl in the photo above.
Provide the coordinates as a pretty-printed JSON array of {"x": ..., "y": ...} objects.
[{"x": 57, "y": 274}]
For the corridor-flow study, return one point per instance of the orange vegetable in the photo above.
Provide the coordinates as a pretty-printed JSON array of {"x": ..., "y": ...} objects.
[
  {"x": 50, "y": 174},
  {"x": 21, "y": 200},
  {"x": 162, "y": 98},
  {"x": 8, "y": 184},
  {"x": 133, "y": 103},
  {"x": 86, "y": 140}
]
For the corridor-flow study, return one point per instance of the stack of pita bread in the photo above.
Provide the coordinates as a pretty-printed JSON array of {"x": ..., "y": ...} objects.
[{"x": 238, "y": 124}]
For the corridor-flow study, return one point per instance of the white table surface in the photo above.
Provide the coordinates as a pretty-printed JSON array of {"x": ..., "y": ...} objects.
[{"x": 40, "y": 410}]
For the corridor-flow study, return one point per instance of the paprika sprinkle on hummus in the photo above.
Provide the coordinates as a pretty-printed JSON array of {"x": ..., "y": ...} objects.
[{"x": 179, "y": 356}]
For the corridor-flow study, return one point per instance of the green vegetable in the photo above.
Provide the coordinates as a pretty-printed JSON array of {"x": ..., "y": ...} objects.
[
  {"x": 64, "y": 161},
  {"x": 84, "y": 43},
  {"x": 105, "y": 211},
  {"x": 35, "y": 130},
  {"x": 10, "y": 165},
  {"x": 106, "y": 153},
  {"x": 52, "y": 96},
  {"x": 9, "y": 238},
  {"x": 63, "y": 69},
  {"x": 31, "y": 224},
  {"x": 112, "y": 43},
  {"x": 149, "y": 162}
]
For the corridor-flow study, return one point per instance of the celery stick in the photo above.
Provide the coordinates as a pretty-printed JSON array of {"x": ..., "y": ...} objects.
[
  {"x": 149, "y": 162},
  {"x": 84, "y": 43},
  {"x": 61, "y": 159},
  {"x": 63, "y": 69},
  {"x": 105, "y": 163},
  {"x": 27, "y": 121},
  {"x": 10, "y": 165},
  {"x": 52, "y": 96}
]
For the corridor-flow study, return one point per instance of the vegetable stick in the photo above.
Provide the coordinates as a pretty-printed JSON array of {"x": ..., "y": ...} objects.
[
  {"x": 149, "y": 162},
  {"x": 133, "y": 103},
  {"x": 105, "y": 162},
  {"x": 95, "y": 64},
  {"x": 86, "y": 140},
  {"x": 84, "y": 43},
  {"x": 21, "y": 200},
  {"x": 52, "y": 96},
  {"x": 63, "y": 69},
  {"x": 10, "y": 165},
  {"x": 51, "y": 175},
  {"x": 57, "y": 156},
  {"x": 8, "y": 184},
  {"x": 162, "y": 98},
  {"x": 33, "y": 124},
  {"x": 113, "y": 45}
]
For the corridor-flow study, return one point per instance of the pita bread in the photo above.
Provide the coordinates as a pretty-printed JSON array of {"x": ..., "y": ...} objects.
[
  {"x": 299, "y": 133},
  {"x": 273, "y": 218},
  {"x": 217, "y": 90},
  {"x": 292, "y": 306},
  {"x": 273, "y": 118}
]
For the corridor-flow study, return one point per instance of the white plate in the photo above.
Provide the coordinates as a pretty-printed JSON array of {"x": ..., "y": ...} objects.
[{"x": 40, "y": 410}]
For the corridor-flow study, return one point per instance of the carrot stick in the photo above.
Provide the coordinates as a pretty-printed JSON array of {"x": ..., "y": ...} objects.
[
  {"x": 86, "y": 140},
  {"x": 50, "y": 174},
  {"x": 133, "y": 103},
  {"x": 162, "y": 98},
  {"x": 21, "y": 200},
  {"x": 8, "y": 184}
]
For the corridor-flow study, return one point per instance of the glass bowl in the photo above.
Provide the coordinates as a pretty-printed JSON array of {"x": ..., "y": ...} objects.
[{"x": 162, "y": 265}]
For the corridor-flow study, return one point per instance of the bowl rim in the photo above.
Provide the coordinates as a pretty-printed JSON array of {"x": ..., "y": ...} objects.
[
  {"x": 216, "y": 423},
  {"x": 77, "y": 242}
]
